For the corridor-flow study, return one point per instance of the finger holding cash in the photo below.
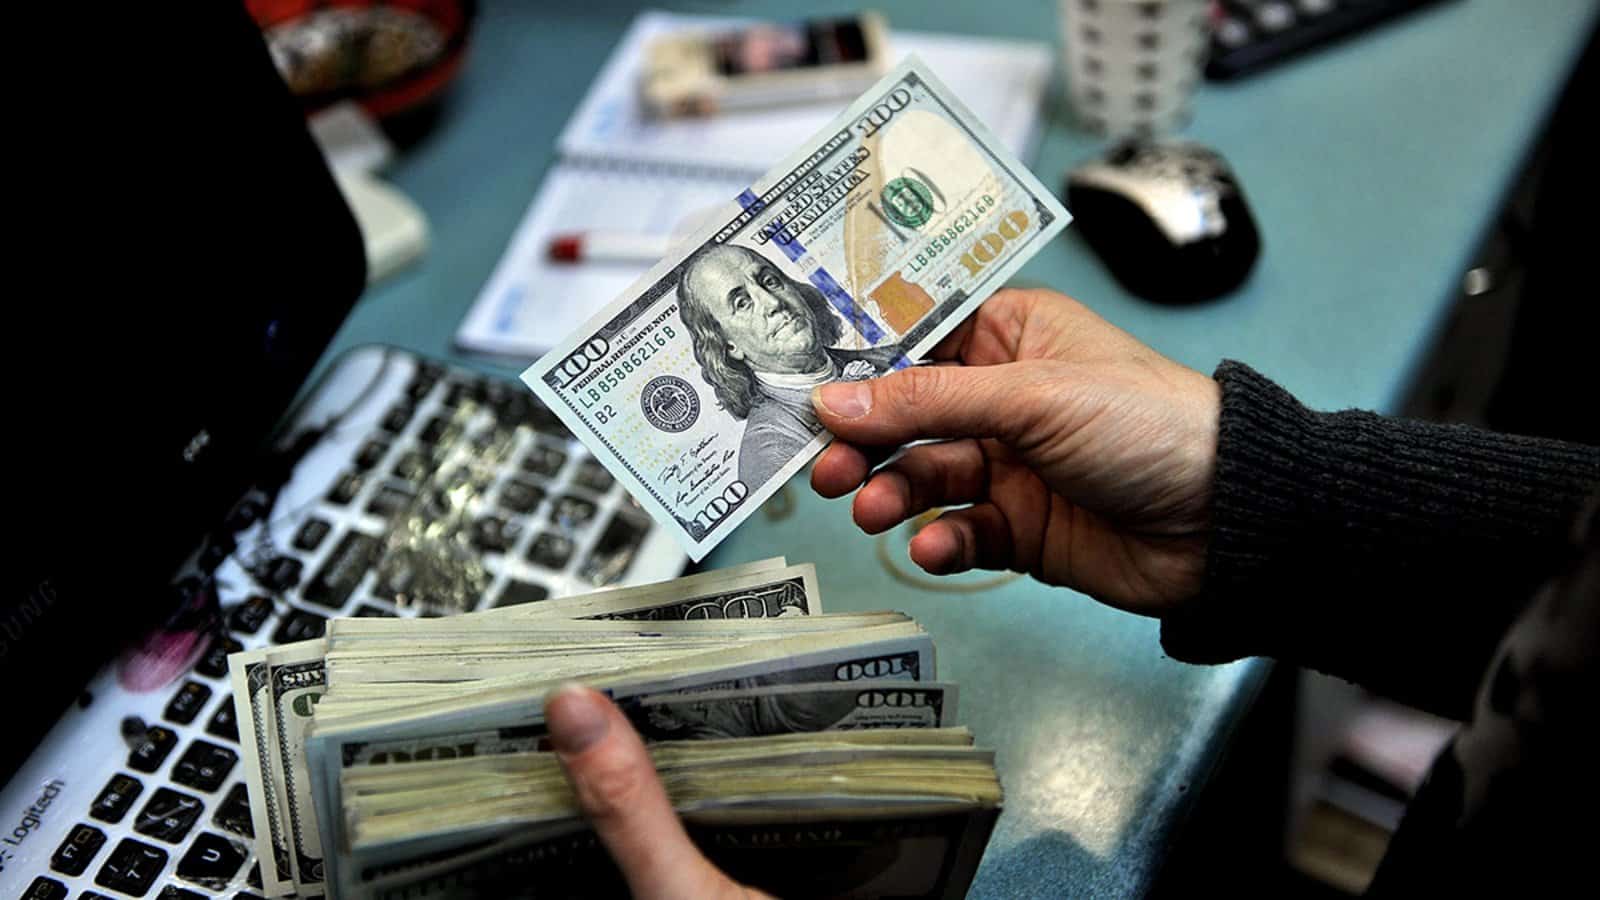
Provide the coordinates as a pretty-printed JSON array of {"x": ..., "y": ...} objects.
[{"x": 618, "y": 792}]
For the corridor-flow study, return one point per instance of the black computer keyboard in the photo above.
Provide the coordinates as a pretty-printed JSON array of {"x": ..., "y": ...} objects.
[
  {"x": 139, "y": 792},
  {"x": 1251, "y": 35}
]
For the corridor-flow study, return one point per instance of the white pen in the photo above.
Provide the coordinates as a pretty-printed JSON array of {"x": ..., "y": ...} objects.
[{"x": 609, "y": 246}]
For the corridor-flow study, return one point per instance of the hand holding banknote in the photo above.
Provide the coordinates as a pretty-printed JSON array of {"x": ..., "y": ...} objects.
[
  {"x": 848, "y": 260},
  {"x": 618, "y": 790},
  {"x": 1087, "y": 456}
]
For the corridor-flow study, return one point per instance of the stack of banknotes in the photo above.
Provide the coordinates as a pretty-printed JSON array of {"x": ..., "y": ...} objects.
[{"x": 810, "y": 753}]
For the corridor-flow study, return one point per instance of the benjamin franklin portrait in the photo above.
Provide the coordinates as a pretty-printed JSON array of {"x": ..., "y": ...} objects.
[
  {"x": 687, "y": 718},
  {"x": 763, "y": 341}
]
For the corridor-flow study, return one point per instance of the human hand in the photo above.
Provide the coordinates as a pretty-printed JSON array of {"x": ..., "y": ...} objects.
[
  {"x": 620, "y": 794},
  {"x": 1087, "y": 457}
]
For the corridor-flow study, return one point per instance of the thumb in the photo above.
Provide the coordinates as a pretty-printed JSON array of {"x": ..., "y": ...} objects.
[
  {"x": 622, "y": 797},
  {"x": 931, "y": 402}
]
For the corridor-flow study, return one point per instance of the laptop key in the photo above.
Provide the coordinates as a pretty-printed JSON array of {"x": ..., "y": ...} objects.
[
  {"x": 614, "y": 551},
  {"x": 462, "y": 392},
  {"x": 173, "y": 892},
  {"x": 234, "y": 812},
  {"x": 94, "y": 895},
  {"x": 368, "y": 611},
  {"x": 496, "y": 392},
  {"x": 80, "y": 846},
  {"x": 116, "y": 798},
  {"x": 211, "y": 862},
  {"x": 594, "y": 476},
  {"x": 280, "y": 573},
  {"x": 132, "y": 867},
  {"x": 371, "y": 454},
  {"x": 518, "y": 592},
  {"x": 187, "y": 703},
  {"x": 345, "y": 489},
  {"x": 551, "y": 550},
  {"x": 512, "y": 406},
  {"x": 396, "y": 582},
  {"x": 342, "y": 571},
  {"x": 398, "y": 417},
  {"x": 204, "y": 766},
  {"x": 311, "y": 534},
  {"x": 215, "y": 663},
  {"x": 570, "y": 512},
  {"x": 439, "y": 430},
  {"x": 223, "y": 724},
  {"x": 249, "y": 616},
  {"x": 484, "y": 441},
  {"x": 520, "y": 496},
  {"x": 44, "y": 888},
  {"x": 493, "y": 534},
  {"x": 542, "y": 460},
  {"x": 421, "y": 385},
  {"x": 390, "y": 499},
  {"x": 254, "y": 878},
  {"x": 412, "y": 467},
  {"x": 168, "y": 816},
  {"x": 299, "y": 625},
  {"x": 540, "y": 417},
  {"x": 152, "y": 749}
]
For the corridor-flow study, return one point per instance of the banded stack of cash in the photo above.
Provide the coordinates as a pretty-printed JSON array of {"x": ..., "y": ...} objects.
[{"x": 810, "y": 752}]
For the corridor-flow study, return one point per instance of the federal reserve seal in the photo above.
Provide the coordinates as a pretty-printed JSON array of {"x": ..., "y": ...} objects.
[
  {"x": 908, "y": 202},
  {"x": 670, "y": 403}
]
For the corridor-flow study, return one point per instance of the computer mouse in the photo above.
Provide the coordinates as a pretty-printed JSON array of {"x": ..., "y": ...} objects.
[{"x": 1168, "y": 219}]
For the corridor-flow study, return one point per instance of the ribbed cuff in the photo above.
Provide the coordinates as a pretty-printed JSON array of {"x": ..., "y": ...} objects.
[{"x": 1321, "y": 519}]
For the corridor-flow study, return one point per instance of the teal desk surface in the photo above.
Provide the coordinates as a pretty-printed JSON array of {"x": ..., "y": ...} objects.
[{"x": 1373, "y": 168}]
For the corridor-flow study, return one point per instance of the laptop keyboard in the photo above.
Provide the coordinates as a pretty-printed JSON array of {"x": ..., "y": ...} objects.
[{"x": 446, "y": 492}]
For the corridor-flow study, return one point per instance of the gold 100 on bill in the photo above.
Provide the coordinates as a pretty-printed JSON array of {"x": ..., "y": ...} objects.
[{"x": 850, "y": 259}]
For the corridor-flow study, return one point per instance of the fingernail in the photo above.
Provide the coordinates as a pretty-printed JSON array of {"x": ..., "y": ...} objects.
[
  {"x": 576, "y": 717},
  {"x": 847, "y": 400}
]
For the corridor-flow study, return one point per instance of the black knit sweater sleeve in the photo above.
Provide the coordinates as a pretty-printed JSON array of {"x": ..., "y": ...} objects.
[{"x": 1390, "y": 552}]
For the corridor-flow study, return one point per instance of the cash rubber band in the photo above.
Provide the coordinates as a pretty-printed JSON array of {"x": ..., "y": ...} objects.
[{"x": 914, "y": 577}]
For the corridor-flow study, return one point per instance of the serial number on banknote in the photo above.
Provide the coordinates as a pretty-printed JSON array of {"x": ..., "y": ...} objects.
[{"x": 849, "y": 260}]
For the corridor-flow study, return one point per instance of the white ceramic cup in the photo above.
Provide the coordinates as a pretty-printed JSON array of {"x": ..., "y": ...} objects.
[{"x": 1132, "y": 65}]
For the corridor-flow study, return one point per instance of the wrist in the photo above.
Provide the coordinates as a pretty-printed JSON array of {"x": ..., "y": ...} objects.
[{"x": 1197, "y": 472}]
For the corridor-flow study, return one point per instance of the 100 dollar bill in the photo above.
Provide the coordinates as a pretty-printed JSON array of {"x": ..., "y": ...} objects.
[
  {"x": 850, "y": 259},
  {"x": 510, "y": 718}
]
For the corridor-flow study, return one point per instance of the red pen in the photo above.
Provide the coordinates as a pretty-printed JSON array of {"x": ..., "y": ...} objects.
[{"x": 609, "y": 246}]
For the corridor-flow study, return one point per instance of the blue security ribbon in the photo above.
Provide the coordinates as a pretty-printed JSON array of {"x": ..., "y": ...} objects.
[{"x": 837, "y": 296}]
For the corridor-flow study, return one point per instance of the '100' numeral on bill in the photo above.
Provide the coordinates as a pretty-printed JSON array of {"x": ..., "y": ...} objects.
[{"x": 849, "y": 260}]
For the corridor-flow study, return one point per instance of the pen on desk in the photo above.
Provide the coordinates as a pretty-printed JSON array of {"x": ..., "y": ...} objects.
[{"x": 609, "y": 246}]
